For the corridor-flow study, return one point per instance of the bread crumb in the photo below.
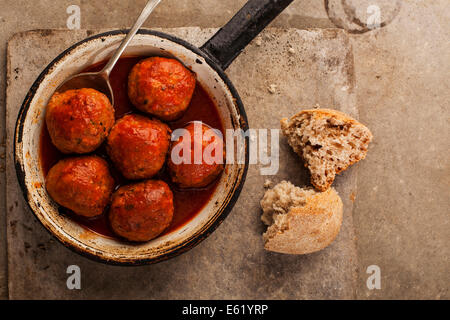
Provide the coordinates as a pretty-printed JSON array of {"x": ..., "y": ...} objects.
[
  {"x": 291, "y": 50},
  {"x": 272, "y": 88},
  {"x": 268, "y": 184},
  {"x": 258, "y": 42}
]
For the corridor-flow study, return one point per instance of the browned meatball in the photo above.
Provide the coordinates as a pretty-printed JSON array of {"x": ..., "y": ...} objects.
[
  {"x": 161, "y": 87},
  {"x": 141, "y": 211},
  {"x": 188, "y": 175},
  {"x": 78, "y": 121},
  {"x": 82, "y": 184},
  {"x": 138, "y": 146}
]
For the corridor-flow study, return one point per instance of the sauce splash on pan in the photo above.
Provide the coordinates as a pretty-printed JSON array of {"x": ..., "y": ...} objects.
[{"x": 187, "y": 203}]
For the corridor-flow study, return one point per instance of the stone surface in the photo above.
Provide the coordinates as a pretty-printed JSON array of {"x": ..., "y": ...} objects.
[
  {"x": 401, "y": 87},
  {"x": 402, "y": 206},
  {"x": 231, "y": 263}
]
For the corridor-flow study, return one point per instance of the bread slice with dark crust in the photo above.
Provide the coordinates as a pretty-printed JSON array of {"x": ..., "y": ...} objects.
[{"x": 329, "y": 141}]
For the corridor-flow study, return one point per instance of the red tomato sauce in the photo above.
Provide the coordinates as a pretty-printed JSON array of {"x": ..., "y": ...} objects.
[{"x": 187, "y": 202}]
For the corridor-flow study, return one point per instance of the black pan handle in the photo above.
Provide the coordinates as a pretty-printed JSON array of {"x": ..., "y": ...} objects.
[{"x": 232, "y": 38}]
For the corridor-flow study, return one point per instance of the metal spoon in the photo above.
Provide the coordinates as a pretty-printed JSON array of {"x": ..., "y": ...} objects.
[{"x": 100, "y": 80}]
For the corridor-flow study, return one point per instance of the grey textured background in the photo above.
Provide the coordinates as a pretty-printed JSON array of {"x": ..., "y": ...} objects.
[
  {"x": 230, "y": 264},
  {"x": 401, "y": 210}
]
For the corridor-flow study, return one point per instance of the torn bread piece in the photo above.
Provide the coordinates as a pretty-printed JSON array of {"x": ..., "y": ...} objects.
[
  {"x": 329, "y": 142},
  {"x": 300, "y": 221}
]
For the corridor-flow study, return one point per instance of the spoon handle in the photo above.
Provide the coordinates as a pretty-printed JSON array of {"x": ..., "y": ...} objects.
[{"x": 151, "y": 4}]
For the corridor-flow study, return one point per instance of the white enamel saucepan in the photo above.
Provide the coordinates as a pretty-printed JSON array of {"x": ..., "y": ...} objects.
[{"x": 209, "y": 63}]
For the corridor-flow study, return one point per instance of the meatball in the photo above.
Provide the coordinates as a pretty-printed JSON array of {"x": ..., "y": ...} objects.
[
  {"x": 78, "y": 121},
  {"x": 184, "y": 169},
  {"x": 161, "y": 87},
  {"x": 138, "y": 146},
  {"x": 141, "y": 211},
  {"x": 81, "y": 184}
]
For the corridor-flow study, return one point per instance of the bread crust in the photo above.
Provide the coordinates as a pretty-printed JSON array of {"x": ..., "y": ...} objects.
[
  {"x": 321, "y": 113},
  {"x": 309, "y": 228},
  {"x": 288, "y": 124}
]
